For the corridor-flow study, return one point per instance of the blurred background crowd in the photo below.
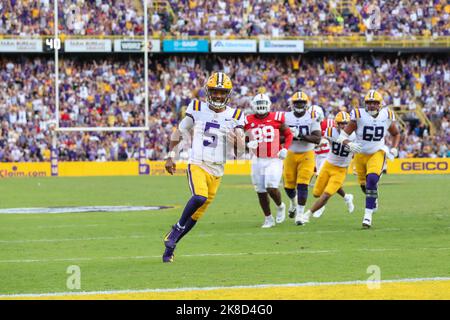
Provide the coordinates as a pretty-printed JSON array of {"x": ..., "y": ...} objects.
[
  {"x": 108, "y": 91},
  {"x": 243, "y": 18}
]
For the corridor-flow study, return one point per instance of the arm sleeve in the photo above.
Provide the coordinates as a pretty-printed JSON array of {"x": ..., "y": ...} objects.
[
  {"x": 186, "y": 124},
  {"x": 315, "y": 126}
]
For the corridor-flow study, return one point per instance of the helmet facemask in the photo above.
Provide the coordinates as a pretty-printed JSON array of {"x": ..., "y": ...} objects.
[
  {"x": 218, "y": 97},
  {"x": 299, "y": 106},
  {"x": 373, "y": 107},
  {"x": 261, "y": 105}
]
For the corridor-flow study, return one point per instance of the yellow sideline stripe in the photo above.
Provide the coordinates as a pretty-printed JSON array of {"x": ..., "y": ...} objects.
[{"x": 392, "y": 290}]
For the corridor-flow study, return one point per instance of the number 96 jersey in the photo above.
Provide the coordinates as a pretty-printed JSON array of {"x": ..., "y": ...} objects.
[{"x": 371, "y": 131}]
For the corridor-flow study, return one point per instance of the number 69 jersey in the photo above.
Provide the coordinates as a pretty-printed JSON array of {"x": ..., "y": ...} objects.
[
  {"x": 371, "y": 131},
  {"x": 305, "y": 125},
  {"x": 209, "y": 141}
]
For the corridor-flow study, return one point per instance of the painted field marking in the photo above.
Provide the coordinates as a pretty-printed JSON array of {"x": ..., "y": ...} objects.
[
  {"x": 206, "y": 289},
  {"x": 231, "y": 254}
]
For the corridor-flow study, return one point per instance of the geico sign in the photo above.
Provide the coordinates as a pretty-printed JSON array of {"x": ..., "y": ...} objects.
[{"x": 425, "y": 166}]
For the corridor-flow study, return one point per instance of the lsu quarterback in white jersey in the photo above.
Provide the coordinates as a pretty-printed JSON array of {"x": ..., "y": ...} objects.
[
  {"x": 215, "y": 128},
  {"x": 334, "y": 170},
  {"x": 371, "y": 125},
  {"x": 299, "y": 163}
]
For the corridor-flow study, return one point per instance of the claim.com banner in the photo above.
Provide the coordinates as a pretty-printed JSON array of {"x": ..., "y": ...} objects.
[{"x": 156, "y": 168}]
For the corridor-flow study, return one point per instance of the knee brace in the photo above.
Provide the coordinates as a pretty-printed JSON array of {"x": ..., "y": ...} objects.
[{"x": 290, "y": 193}]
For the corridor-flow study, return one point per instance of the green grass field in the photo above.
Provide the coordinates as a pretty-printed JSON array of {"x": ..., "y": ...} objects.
[{"x": 410, "y": 237}]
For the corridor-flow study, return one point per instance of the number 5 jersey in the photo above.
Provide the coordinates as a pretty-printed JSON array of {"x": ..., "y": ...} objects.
[
  {"x": 211, "y": 133},
  {"x": 371, "y": 131}
]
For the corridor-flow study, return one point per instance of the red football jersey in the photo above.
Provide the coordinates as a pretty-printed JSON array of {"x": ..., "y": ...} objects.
[
  {"x": 267, "y": 132},
  {"x": 324, "y": 148}
]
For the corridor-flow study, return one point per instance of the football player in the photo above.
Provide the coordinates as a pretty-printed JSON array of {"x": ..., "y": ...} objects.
[
  {"x": 334, "y": 170},
  {"x": 371, "y": 124},
  {"x": 299, "y": 163},
  {"x": 213, "y": 124},
  {"x": 264, "y": 129},
  {"x": 322, "y": 151}
]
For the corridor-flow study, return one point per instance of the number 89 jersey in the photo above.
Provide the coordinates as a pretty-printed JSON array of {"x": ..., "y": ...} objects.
[
  {"x": 371, "y": 131},
  {"x": 266, "y": 131}
]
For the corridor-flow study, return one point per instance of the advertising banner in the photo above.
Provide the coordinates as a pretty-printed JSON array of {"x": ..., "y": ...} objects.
[
  {"x": 21, "y": 45},
  {"x": 281, "y": 46},
  {"x": 233, "y": 46},
  {"x": 88, "y": 45},
  {"x": 185, "y": 45},
  {"x": 136, "y": 46}
]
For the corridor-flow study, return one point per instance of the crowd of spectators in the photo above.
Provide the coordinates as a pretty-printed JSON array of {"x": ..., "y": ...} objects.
[
  {"x": 109, "y": 92},
  {"x": 228, "y": 18}
]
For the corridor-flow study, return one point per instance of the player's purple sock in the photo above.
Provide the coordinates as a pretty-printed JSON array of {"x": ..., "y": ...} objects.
[
  {"x": 371, "y": 190},
  {"x": 290, "y": 193},
  {"x": 302, "y": 194},
  {"x": 190, "y": 223},
  {"x": 193, "y": 204}
]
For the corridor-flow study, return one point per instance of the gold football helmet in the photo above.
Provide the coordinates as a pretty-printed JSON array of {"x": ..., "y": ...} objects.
[
  {"x": 299, "y": 102},
  {"x": 218, "y": 90},
  {"x": 373, "y": 102},
  {"x": 342, "y": 119}
]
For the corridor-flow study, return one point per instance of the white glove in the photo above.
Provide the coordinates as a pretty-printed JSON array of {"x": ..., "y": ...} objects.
[
  {"x": 252, "y": 144},
  {"x": 354, "y": 147},
  {"x": 394, "y": 152},
  {"x": 282, "y": 154},
  {"x": 294, "y": 131}
]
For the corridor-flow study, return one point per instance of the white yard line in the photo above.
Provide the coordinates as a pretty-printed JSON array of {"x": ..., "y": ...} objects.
[
  {"x": 305, "y": 284},
  {"x": 231, "y": 254}
]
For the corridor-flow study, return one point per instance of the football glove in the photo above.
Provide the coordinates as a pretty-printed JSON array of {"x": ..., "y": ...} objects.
[
  {"x": 282, "y": 154},
  {"x": 252, "y": 145},
  {"x": 394, "y": 152},
  {"x": 354, "y": 147}
]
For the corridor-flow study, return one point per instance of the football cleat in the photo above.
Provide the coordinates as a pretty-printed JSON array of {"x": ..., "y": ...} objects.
[
  {"x": 168, "y": 255},
  {"x": 301, "y": 219},
  {"x": 319, "y": 212},
  {"x": 170, "y": 240},
  {"x": 349, "y": 202},
  {"x": 367, "y": 221},
  {"x": 292, "y": 211},
  {"x": 268, "y": 222},
  {"x": 281, "y": 213}
]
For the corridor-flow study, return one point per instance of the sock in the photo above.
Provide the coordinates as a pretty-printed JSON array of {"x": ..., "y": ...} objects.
[
  {"x": 347, "y": 197},
  {"x": 193, "y": 204},
  {"x": 300, "y": 209},
  {"x": 371, "y": 190},
  {"x": 302, "y": 193},
  {"x": 280, "y": 206},
  {"x": 368, "y": 212},
  {"x": 189, "y": 225}
]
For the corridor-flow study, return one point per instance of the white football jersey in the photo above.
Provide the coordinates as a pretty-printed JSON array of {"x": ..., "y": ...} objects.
[
  {"x": 339, "y": 154},
  {"x": 209, "y": 140},
  {"x": 306, "y": 124},
  {"x": 371, "y": 131}
]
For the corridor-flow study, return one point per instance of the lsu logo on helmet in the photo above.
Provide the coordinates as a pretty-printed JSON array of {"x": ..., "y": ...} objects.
[{"x": 299, "y": 101}]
